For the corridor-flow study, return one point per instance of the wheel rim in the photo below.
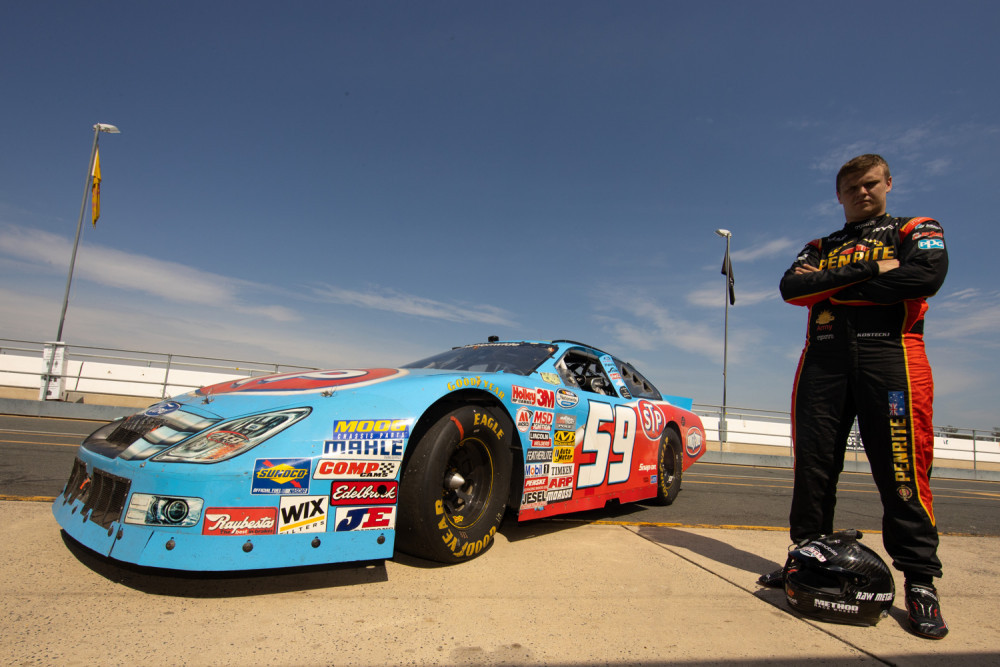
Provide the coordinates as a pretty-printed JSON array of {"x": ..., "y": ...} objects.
[
  {"x": 669, "y": 463},
  {"x": 468, "y": 483}
]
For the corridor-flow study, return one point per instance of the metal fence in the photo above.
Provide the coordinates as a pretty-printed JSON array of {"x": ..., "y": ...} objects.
[
  {"x": 135, "y": 373},
  {"x": 977, "y": 449},
  {"x": 122, "y": 372}
]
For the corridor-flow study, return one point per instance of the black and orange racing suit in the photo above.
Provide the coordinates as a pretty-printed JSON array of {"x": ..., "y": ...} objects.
[{"x": 864, "y": 357}]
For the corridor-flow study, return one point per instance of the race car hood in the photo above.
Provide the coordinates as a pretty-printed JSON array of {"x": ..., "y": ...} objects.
[{"x": 293, "y": 395}]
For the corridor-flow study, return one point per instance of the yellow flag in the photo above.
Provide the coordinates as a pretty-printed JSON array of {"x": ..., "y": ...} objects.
[{"x": 95, "y": 189}]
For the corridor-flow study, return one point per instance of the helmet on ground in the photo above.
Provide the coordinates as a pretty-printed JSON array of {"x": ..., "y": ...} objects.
[{"x": 836, "y": 578}]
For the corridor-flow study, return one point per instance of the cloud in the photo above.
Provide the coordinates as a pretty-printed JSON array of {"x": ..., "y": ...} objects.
[
  {"x": 164, "y": 280},
  {"x": 394, "y": 301},
  {"x": 965, "y": 315},
  {"x": 711, "y": 296},
  {"x": 648, "y": 325},
  {"x": 772, "y": 248}
]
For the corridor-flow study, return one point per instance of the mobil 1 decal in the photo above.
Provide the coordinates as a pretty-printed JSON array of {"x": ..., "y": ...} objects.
[{"x": 610, "y": 434}]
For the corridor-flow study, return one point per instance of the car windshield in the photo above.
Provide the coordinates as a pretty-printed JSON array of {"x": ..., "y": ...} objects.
[{"x": 519, "y": 358}]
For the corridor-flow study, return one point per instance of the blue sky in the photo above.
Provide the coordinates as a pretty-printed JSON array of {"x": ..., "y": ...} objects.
[{"x": 366, "y": 183}]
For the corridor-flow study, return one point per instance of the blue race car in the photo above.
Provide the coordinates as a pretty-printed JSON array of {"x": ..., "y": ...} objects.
[{"x": 347, "y": 465}]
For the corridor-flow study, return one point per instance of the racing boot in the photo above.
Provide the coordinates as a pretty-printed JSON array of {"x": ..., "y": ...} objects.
[{"x": 923, "y": 611}]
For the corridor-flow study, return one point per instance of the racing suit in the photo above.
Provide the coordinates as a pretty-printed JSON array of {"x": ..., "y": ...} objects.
[{"x": 864, "y": 357}]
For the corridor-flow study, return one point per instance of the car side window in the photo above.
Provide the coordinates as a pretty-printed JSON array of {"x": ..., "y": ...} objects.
[
  {"x": 583, "y": 371},
  {"x": 637, "y": 385}
]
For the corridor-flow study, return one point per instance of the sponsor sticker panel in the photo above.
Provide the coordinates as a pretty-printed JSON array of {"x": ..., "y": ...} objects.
[{"x": 302, "y": 514}]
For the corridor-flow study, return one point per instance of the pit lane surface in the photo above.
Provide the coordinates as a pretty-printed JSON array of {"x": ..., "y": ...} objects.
[{"x": 36, "y": 456}]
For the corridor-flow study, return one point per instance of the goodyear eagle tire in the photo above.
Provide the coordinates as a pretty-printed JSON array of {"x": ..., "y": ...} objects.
[
  {"x": 453, "y": 491},
  {"x": 669, "y": 466}
]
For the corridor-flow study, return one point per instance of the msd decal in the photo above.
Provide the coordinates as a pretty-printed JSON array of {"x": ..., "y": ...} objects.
[
  {"x": 303, "y": 383},
  {"x": 281, "y": 476},
  {"x": 365, "y": 518}
]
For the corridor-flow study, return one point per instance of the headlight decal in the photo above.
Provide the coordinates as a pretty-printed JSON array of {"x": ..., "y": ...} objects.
[{"x": 234, "y": 437}]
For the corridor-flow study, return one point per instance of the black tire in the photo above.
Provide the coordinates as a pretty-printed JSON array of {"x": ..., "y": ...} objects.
[
  {"x": 453, "y": 491},
  {"x": 669, "y": 467}
]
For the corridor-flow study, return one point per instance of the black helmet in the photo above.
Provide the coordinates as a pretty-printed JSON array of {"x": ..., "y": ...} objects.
[{"x": 835, "y": 578}]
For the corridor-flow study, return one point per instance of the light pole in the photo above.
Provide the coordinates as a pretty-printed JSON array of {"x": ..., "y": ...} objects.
[
  {"x": 58, "y": 347},
  {"x": 727, "y": 270}
]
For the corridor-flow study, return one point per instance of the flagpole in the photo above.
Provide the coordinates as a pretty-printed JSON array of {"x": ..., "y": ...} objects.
[
  {"x": 98, "y": 128},
  {"x": 723, "y": 426}
]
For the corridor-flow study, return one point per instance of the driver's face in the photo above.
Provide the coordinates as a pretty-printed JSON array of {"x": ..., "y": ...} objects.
[{"x": 862, "y": 194}]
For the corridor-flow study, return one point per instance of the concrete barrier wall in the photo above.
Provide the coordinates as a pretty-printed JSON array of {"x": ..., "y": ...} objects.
[{"x": 761, "y": 437}]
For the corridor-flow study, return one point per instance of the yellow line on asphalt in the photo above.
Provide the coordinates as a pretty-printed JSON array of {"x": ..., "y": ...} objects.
[
  {"x": 34, "y": 442},
  {"x": 30, "y": 499}
]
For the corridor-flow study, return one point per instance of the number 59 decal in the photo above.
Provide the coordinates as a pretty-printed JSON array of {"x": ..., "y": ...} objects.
[{"x": 603, "y": 443}]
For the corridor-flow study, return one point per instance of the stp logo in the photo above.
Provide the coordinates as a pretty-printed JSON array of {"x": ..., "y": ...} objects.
[{"x": 652, "y": 420}]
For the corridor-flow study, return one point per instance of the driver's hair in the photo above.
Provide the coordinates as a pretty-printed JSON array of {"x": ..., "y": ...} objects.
[{"x": 862, "y": 163}]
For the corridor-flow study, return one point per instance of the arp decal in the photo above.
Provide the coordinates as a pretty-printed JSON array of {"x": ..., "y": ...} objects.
[
  {"x": 240, "y": 521},
  {"x": 281, "y": 476},
  {"x": 302, "y": 514},
  {"x": 599, "y": 440},
  {"x": 302, "y": 383}
]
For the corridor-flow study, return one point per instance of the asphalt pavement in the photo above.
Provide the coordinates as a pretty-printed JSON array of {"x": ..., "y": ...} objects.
[{"x": 553, "y": 592}]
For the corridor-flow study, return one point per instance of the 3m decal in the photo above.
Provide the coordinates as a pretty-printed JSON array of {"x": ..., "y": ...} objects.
[
  {"x": 365, "y": 518},
  {"x": 542, "y": 398},
  {"x": 281, "y": 476},
  {"x": 351, "y": 469},
  {"x": 240, "y": 521},
  {"x": 302, "y": 515},
  {"x": 610, "y": 431}
]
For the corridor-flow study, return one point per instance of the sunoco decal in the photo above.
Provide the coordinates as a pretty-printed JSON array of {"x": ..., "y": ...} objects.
[{"x": 281, "y": 476}]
